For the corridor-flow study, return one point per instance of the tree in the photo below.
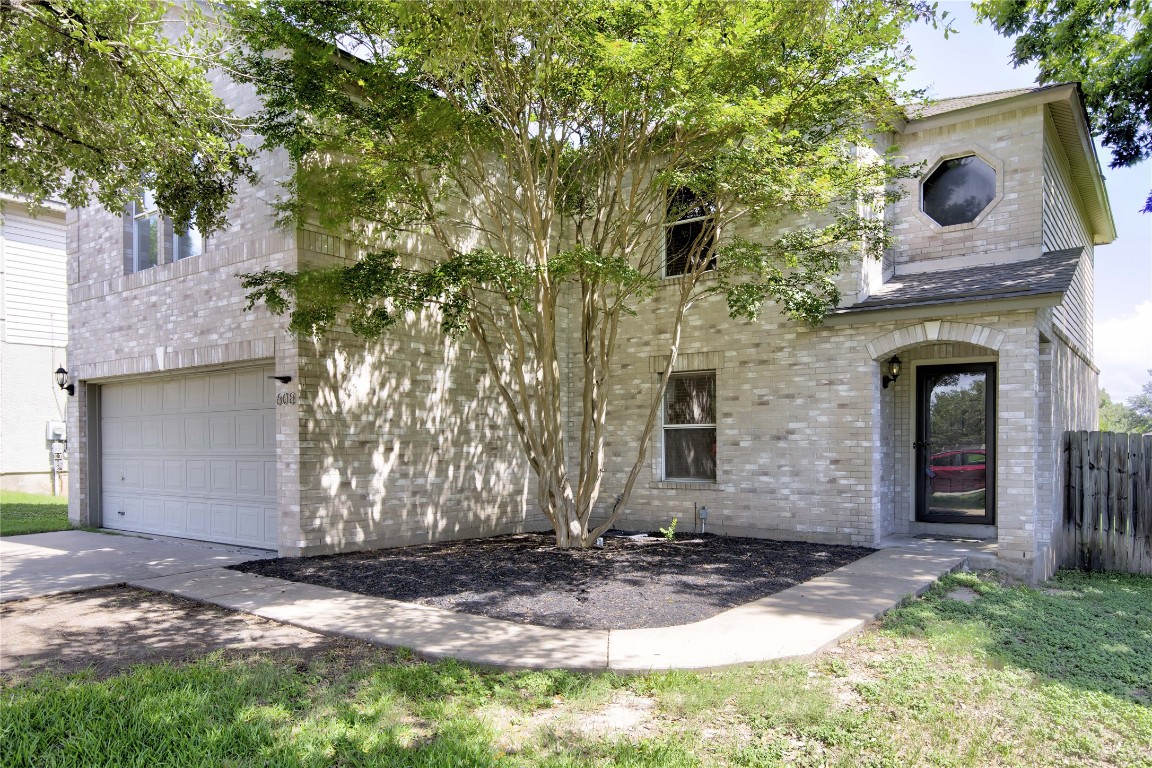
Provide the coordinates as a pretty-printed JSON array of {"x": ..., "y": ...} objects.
[
  {"x": 1133, "y": 416},
  {"x": 96, "y": 101},
  {"x": 543, "y": 146},
  {"x": 1106, "y": 45}
]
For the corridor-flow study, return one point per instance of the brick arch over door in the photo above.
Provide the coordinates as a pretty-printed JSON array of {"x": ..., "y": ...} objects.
[{"x": 930, "y": 331}]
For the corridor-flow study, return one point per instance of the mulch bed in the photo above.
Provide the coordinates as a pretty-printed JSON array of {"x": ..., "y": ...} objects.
[{"x": 635, "y": 581}]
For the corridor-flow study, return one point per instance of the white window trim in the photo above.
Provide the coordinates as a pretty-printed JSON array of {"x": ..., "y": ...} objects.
[
  {"x": 167, "y": 249},
  {"x": 664, "y": 477}
]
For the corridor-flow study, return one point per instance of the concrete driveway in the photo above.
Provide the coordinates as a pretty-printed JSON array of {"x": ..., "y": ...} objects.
[{"x": 66, "y": 561}]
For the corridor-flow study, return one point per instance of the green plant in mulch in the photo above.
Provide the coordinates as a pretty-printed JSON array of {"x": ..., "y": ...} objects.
[{"x": 22, "y": 513}]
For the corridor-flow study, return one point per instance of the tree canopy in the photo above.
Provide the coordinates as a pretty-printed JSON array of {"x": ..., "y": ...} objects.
[
  {"x": 545, "y": 147},
  {"x": 96, "y": 100},
  {"x": 1133, "y": 415},
  {"x": 1106, "y": 45}
]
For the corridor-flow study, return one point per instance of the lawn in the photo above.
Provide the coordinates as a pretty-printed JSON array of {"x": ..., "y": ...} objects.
[
  {"x": 32, "y": 513},
  {"x": 1058, "y": 676}
]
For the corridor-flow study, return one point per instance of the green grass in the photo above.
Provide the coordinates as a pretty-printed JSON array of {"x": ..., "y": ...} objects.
[
  {"x": 1022, "y": 677},
  {"x": 22, "y": 513}
]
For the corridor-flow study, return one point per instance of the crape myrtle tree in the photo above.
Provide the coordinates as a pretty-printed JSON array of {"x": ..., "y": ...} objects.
[
  {"x": 544, "y": 146},
  {"x": 97, "y": 100}
]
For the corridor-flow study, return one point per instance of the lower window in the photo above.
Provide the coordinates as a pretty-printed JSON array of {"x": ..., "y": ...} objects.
[{"x": 690, "y": 426}]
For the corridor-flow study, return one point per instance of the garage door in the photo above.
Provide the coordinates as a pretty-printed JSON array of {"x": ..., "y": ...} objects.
[{"x": 192, "y": 456}]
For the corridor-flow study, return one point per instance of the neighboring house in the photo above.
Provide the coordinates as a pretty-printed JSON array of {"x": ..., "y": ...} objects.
[
  {"x": 779, "y": 429},
  {"x": 33, "y": 337}
]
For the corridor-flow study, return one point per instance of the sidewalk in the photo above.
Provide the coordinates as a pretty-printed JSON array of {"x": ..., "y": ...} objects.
[{"x": 796, "y": 622}]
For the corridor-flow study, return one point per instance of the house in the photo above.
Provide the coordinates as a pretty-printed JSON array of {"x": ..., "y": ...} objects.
[
  {"x": 932, "y": 402},
  {"x": 33, "y": 337}
]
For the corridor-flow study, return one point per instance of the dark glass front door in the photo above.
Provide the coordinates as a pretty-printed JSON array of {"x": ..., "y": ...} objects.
[{"x": 955, "y": 443}]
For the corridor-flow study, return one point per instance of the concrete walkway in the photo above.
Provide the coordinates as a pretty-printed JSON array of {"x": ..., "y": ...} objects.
[{"x": 796, "y": 622}]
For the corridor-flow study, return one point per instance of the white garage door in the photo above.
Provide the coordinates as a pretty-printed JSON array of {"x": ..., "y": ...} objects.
[{"x": 192, "y": 456}]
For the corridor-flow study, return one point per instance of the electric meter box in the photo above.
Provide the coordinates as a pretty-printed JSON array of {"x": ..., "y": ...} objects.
[{"x": 56, "y": 430}]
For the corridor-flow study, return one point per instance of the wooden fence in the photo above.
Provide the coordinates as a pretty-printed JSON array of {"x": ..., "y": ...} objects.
[{"x": 1108, "y": 501}]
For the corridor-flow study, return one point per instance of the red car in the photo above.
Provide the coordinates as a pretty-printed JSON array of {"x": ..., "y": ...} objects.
[{"x": 958, "y": 471}]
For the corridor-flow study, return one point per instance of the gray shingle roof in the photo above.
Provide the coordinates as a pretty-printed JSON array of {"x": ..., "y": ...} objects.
[
  {"x": 1051, "y": 273},
  {"x": 940, "y": 106}
]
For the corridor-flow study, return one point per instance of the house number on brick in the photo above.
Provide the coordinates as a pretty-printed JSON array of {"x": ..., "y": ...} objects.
[{"x": 286, "y": 398}]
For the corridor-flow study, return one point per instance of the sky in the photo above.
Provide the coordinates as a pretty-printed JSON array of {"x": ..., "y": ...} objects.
[{"x": 975, "y": 59}]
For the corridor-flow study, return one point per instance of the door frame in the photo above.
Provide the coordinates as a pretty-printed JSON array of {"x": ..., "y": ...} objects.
[{"x": 920, "y": 410}]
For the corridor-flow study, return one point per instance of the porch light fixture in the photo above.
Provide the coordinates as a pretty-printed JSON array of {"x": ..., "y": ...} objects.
[
  {"x": 892, "y": 367},
  {"x": 62, "y": 381},
  {"x": 282, "y": 379}
]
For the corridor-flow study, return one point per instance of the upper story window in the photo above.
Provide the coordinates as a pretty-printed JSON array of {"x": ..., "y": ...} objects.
[
  {"x": 151, "y": 239},
  {"x": 690, "y": 234},
  {"x": 959, "y": 190},
  {"x": 690, "y": 426}
]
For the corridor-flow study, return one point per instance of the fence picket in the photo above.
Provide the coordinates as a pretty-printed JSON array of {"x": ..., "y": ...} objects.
[{"x": 1108, "y": 501}]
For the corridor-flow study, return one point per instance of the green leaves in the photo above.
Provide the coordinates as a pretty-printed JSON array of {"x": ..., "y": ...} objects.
[
  {"x": 1105, "y": 45},
  {"x": 97, "y": 103}
]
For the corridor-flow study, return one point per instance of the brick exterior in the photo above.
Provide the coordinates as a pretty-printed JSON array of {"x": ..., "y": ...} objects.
[{"x": 403, "y": 440}]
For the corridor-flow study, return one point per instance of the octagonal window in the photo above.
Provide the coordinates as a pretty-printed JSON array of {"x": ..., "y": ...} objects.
[{"x": 959, "y": 190}]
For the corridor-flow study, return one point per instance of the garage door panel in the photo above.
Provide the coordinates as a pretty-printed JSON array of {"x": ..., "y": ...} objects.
[
  {"x": 153, "y": 512},
  {"x": 222, "y": 430},
  {"x": 175, "y": 475},
  {"x": 175, "y": 515},
  {"x": 250, "y": 387},
  {"x": 249, "y": 478},
  {"x": 199, "y": 518},
  {"x": 196, "y": 434},
  {"x": 224, "y": 520},
  {"x": 250, "y": 522},
  {"x": 271, "y": 526},
  {"x": 130, "y": 435},
  {"x": 197, "y": 475},
  {"x": 173, "y": 433},
  {"x": 196, "y": 393},
  {"x": 270, "y": 431},
  {"x": 200, "y": 463},
  {"x": 221, "y": 390},
  {"x": 152, "y": 474},
  {"x": 173, "y": 395},
  {"x": 151, "y": 434},
  {"x": 249, "y": 431},
  {"x": 151, "y": 397},
  {"x": 223, "y": 477}
]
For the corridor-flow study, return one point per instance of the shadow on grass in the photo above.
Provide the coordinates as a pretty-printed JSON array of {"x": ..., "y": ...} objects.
[
  {"x": 241, "y": 713},
  {"x": 1091, "y": 631}
]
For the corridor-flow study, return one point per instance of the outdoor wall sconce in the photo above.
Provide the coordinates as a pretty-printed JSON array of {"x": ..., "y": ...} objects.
[
  {"x": 282, "y": 379},
  {"x": 62, "y": 381},
  {"x": 892, "y": 367}
]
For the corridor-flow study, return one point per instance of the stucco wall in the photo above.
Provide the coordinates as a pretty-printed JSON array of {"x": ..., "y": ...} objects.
[{"x": 30, "y": 398}]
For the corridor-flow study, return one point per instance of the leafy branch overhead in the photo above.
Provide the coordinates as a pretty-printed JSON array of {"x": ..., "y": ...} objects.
[
  {"x": 1106, "y": 45},
  {"x": 98, "y": 102},
  {"x": 504, "y": 163}
]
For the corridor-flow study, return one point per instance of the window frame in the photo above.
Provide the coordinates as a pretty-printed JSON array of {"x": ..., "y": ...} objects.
[
  {"x": 668, "y": 225},
  {"x": 968, "y": 150},
  {"x": 167, "y": 249},
  {"x": 713, "y": 426}
]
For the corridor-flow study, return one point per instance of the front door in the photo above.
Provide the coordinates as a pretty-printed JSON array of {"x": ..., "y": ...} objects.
[{"x": 955, "y": 443}]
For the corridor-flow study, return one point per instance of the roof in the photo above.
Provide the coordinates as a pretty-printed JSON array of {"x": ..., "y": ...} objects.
[
  {"x": 940, "y": 106},
  {"x": 1050, "y": 274}
]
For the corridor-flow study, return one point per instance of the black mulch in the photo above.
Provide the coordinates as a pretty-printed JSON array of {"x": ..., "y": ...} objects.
[{"x": 634, "y": 581}]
